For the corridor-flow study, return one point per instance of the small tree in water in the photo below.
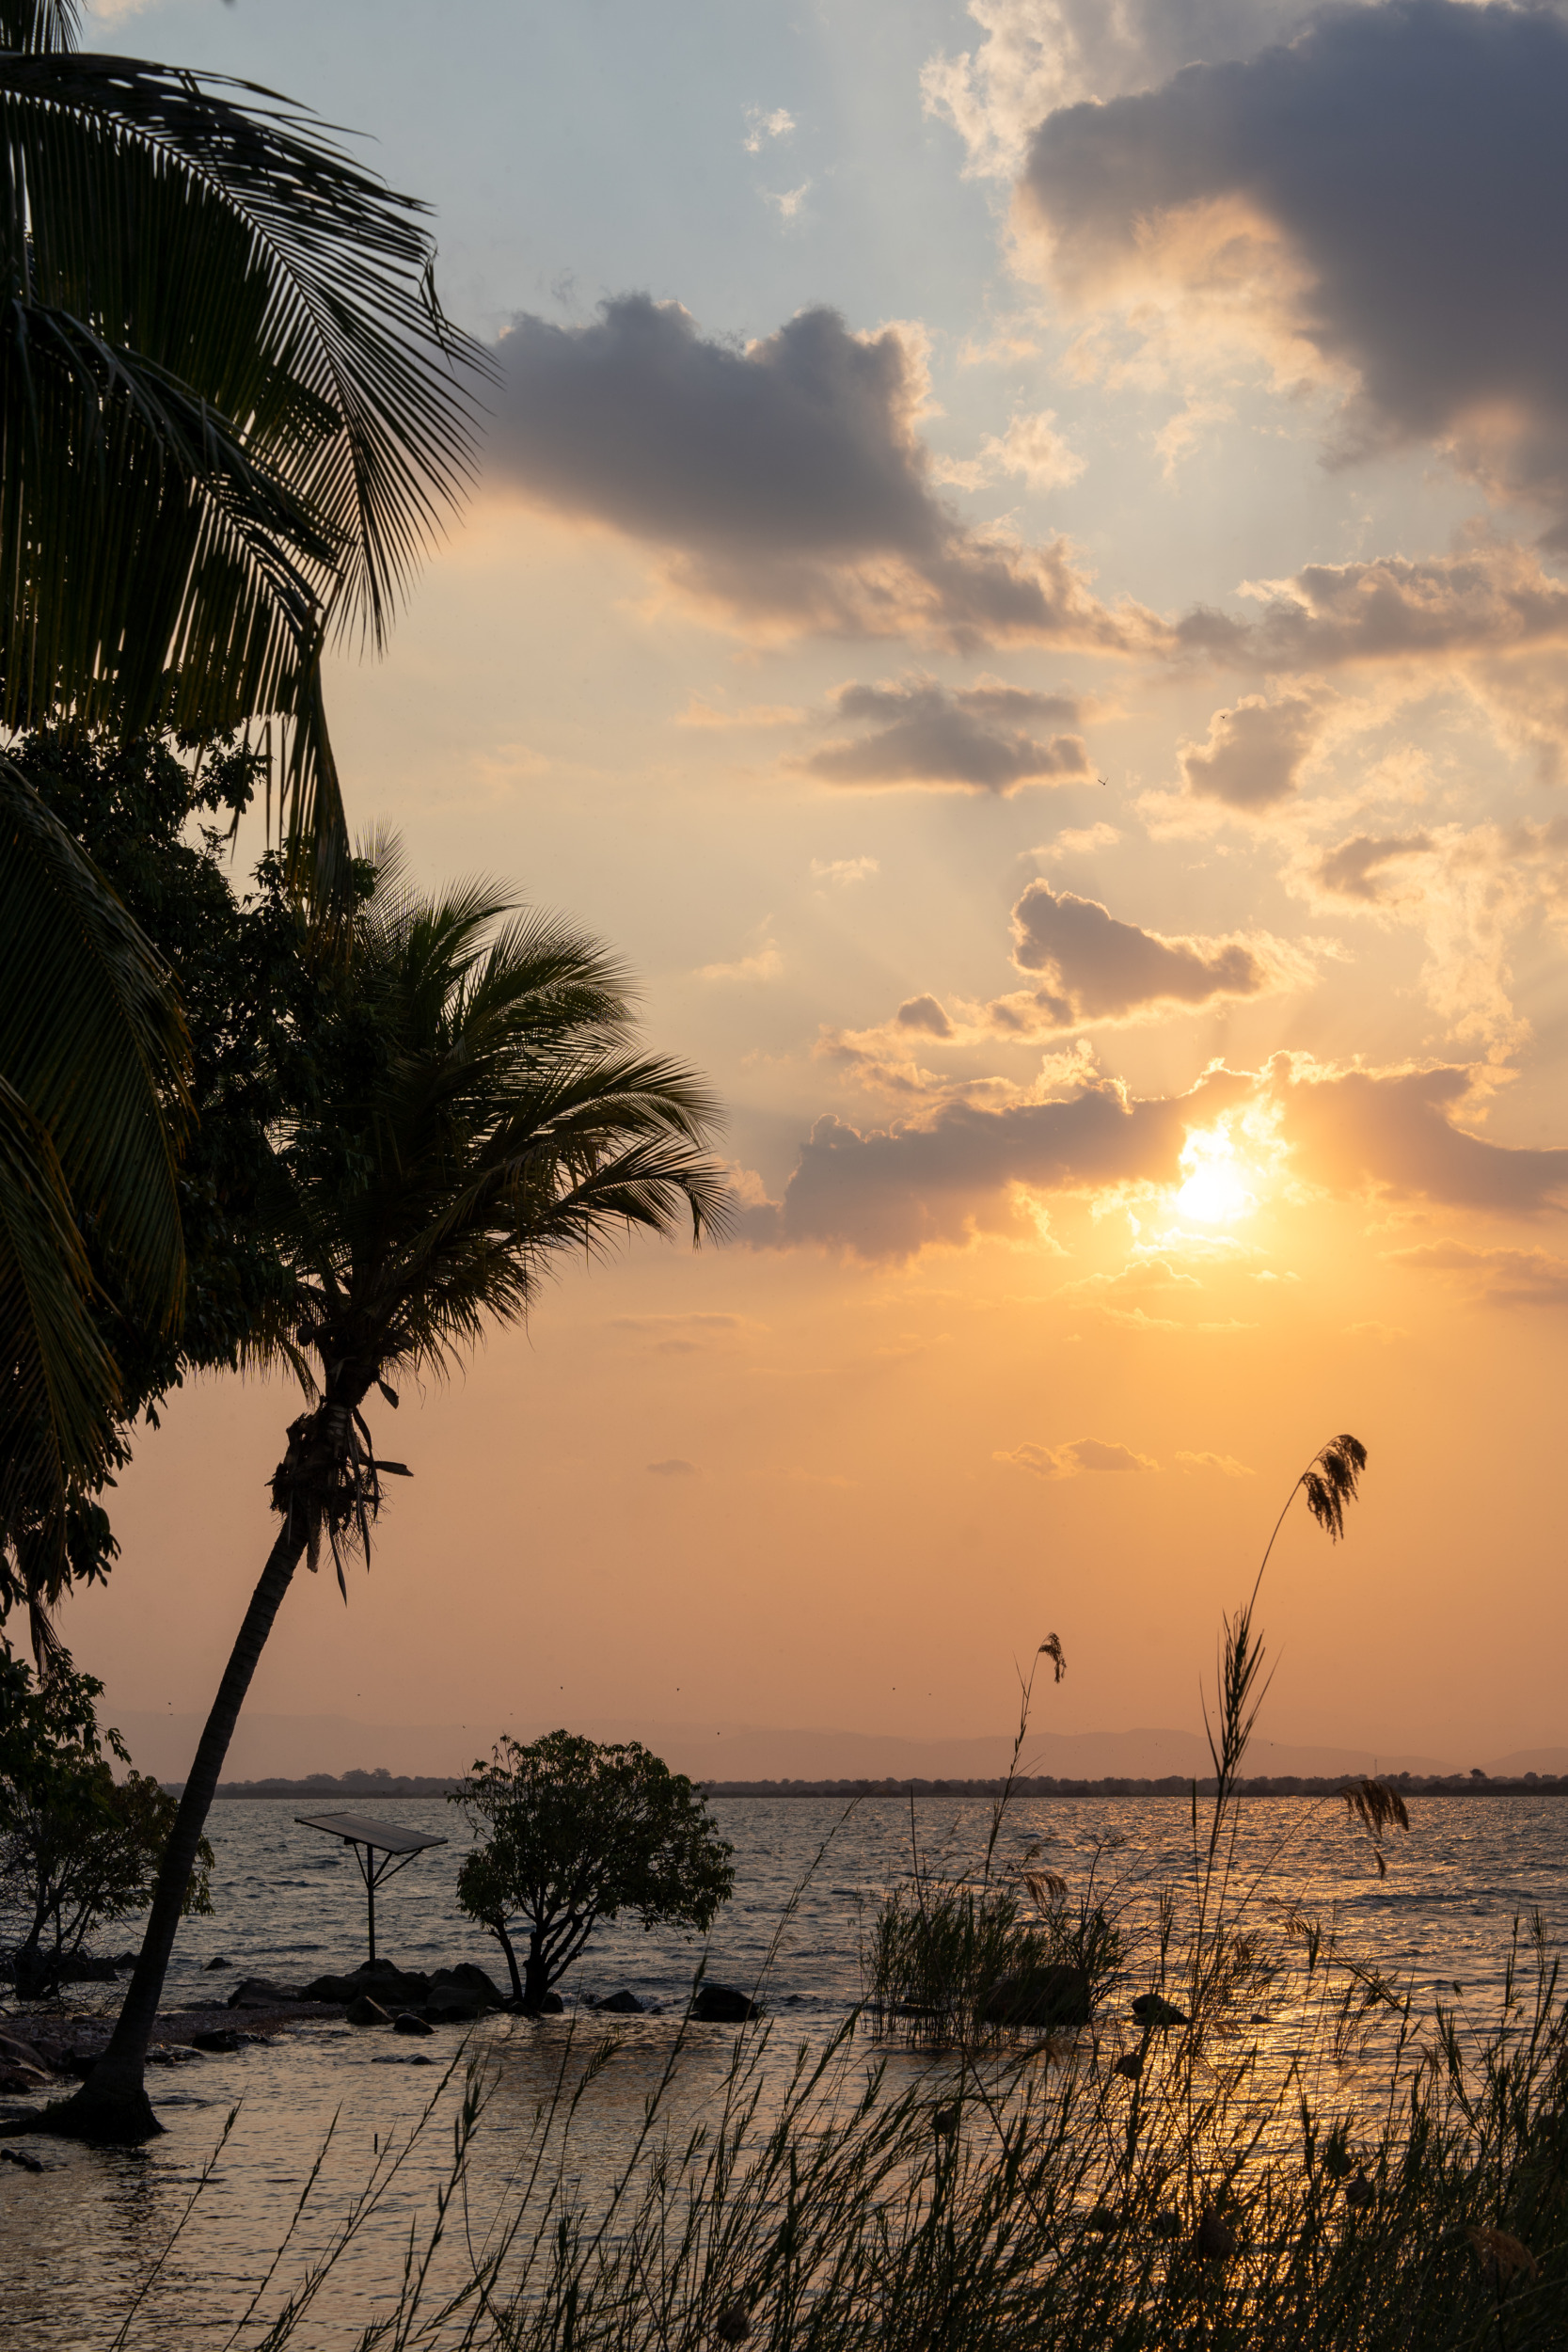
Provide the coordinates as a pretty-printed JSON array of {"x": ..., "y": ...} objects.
[{"x": 575, "y": 1833}]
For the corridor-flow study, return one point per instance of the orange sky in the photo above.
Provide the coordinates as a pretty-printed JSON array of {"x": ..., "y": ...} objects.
[{"x": 1058, "y": 683}]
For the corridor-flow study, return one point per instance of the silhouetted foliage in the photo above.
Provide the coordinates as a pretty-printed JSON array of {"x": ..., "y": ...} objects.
[
  {"x": 78, "y": 1849},
  {"x": 575, "y": 1833}
]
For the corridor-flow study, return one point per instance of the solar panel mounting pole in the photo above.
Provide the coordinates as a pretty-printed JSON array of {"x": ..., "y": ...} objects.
[{"x": 396, "y": 1846}]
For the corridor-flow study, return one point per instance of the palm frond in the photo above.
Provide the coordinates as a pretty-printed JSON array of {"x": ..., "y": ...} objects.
[
  {"x": 58, "y": 1382},
  {"x": 92, "y": 1039},
  {"x": 233, "y": 413}
]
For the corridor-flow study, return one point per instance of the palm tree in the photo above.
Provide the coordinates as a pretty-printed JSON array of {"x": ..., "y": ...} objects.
[
  {"x": 232, "y": 417},
  {"x": 485, "y": 1116}
]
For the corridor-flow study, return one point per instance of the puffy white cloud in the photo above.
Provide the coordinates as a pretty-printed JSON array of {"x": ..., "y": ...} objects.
[
  {"x": 1074, "y": 1458},
  {"x": 787, "y": 486},
  {"x": 972, "y": 738}
]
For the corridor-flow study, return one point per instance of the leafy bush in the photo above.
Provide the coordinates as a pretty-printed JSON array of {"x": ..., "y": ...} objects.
[
  {"x": 78, "y": 1849},
  {"x": 577, "y": 1832}
]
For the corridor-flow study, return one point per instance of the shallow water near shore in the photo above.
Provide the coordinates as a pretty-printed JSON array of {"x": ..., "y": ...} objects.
[{"x": 78, "y": 2241}]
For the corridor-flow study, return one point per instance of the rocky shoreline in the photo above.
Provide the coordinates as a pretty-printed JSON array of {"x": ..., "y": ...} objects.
[{"x": 45, "y": 2048}]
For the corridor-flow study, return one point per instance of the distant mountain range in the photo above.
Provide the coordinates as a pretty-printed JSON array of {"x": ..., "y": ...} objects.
[{"x": 269, "y": 1747}]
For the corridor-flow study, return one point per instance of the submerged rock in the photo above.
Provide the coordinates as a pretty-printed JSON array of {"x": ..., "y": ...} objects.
[
  {"x": 409, "y": 2022},
  {"x": 722, "y": 2005},
  {"x": 218, "y": 2041},
  {"x": 261, "y": 1993},
  {"x": 1055, "y": 1994},
  {"x": 621, "y": 2004}
]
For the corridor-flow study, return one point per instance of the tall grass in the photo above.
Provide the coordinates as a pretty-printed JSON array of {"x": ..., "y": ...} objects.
[{"x": 1358, "y": 2176}]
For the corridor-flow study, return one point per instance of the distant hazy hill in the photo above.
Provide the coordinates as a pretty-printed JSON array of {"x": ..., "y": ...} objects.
[{"x": 270, "y": 1747}]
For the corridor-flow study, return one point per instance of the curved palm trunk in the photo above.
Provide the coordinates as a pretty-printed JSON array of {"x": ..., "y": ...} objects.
[{"x": 112, "y": 2103}]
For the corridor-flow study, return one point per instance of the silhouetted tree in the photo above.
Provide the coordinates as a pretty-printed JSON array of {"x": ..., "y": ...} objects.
[{"x": 575, "y": 1833}]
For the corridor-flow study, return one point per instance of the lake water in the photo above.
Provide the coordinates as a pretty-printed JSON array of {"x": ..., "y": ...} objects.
[{"x": 76, "y": 2244}]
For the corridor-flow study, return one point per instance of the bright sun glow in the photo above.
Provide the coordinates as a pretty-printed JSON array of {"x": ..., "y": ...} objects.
[{"x": 1218, "y": 1190}]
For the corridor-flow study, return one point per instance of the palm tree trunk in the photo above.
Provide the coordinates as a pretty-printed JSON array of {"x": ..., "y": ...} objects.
[{"x": 112, "y": 2103}]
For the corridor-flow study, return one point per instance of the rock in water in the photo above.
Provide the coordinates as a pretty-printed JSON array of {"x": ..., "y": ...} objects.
[
  {"x": 15, "y": 2052},
  {"x": 722, "y": 2005},
  {"x": 362, "y": 2010},
  {"x": 1055, "y": 1994},
  {"x": 218, "y": 1960},
  {"x": 409, "y": 2022},
  {"x": 1151, "y": 2009},
  {"x": 383, "y": 1979},
  {"x": 470, "y": 1981},
  {"x": 14, "y": 2077},
  {"x": 219, "y": 2040},
  {"x": 261, "y": 1993},
  {"x": 621, "y": 2004}
]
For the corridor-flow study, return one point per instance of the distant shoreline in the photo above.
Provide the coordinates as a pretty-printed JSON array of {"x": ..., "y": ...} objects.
[{"x": 358, "y": 1786}]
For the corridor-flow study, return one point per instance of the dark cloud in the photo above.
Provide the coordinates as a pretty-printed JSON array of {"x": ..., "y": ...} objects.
[
  {"x": 1092, "y": 964},
  {"x": 923, "y": 733},
  {"x": 1254, "y": 752},
  {"x": 1358, "y": 868},
  {"x": 889, "y": 1193},
  {"x": 1494, "y": 599},
  {"x": 786, "y": 482},
  {"x": 1393, "y": 1132},
  {"x": 674, "y": 1468},
  {"x": 1412, "y": 160},
  {"x": 923, "y": 1014}
]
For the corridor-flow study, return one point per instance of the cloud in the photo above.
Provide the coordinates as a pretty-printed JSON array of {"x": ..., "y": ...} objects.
[
  {"x": 674, "y": 1468},
  {"x": 761, "y": 126},
  {"x": 890, "y": 1192},
  {"x": 1254, "y": 752},
  {"x": 701, "y": 714},
  {"x": 788, "y": 201},
  {"x": 1489, "y": 598},
  {"x": 1076, "y": 1456},
  {"x": 1348, "y": 198},
  {"x": 787, "y": 486},
  {"x": 1504, "y": 1277},
  {"x": 1226, "y": 1465},
  {"x": 1393, "y": 1132},
  {"x": 1040, "y": 55},
  {"x": 1031, "y": 446},
  {"x": 764, "y": 963},
  {"x": 842, "y": 871},
  {"x": 972, "y": 738},
  {"x": 1471, "y": 892},
  {"x": 964, "y": 1167},
  {"x": 1360, "y": 869},
  {"x": 1094, "y": 965},
  {"x": 683, "y": 1335}
]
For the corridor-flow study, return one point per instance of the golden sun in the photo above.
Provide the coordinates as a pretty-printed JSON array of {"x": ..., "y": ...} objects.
[{"x": 1219, "y": 1186}]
